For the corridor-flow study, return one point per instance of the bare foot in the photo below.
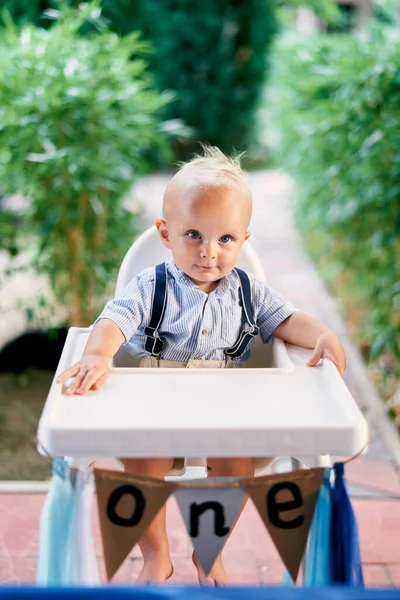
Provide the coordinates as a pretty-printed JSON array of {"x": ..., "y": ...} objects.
[
  {"x": 157, "y": 568},
  {"x": 216, "y": 577}
]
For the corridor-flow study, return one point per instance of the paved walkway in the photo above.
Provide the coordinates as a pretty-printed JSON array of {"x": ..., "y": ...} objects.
[{"x": 374, "y": 479}]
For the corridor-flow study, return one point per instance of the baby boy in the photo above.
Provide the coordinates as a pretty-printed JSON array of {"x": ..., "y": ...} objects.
[{"x": 204, "y": 312}]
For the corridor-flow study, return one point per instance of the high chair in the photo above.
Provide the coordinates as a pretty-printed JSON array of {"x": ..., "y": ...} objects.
[
  {"x": 148, "y": 251},
  {"x": 273, "y": 406}
]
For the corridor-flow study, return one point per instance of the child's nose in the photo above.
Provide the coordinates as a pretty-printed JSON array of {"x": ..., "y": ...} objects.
[{"x": 208, "y": 250}]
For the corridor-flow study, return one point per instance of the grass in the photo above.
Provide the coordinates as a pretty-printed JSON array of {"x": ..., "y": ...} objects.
[{"x": 22, "y": 398}]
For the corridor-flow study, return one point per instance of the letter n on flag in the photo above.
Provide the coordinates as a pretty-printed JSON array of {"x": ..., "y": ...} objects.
[{"x": 209, "y": 508}]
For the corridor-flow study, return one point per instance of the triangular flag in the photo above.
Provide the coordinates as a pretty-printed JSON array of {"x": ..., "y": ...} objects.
[
  {"x": 286, "y": 503},
  {"x": 127, "y": 505},
  {"x": 209, "y": 508}
]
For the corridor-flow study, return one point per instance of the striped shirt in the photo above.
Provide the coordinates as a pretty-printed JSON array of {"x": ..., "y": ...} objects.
[{"x": 195, "y": 324}]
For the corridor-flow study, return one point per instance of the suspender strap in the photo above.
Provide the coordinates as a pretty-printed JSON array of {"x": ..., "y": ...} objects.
[
  {"x": 154, "y": 344},
  {"x": 245, "y": 336}
]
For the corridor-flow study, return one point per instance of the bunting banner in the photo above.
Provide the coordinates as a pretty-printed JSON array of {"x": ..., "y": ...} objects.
[
  {"x": 210, "y": 508},
  {"x": 286, "y": 503},
  {"x": 127, "y": 504}
]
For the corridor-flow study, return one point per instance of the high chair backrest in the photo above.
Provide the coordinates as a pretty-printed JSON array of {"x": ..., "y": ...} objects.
[{"x": 148, "y": 251}]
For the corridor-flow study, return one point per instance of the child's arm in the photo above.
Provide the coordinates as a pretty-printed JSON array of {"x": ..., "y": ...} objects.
[
  {"x": 92, "y": 370},
  {"x": 301, "y": 330}
]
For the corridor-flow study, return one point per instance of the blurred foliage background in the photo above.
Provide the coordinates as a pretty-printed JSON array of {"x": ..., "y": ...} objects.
[
  {"x": 213, "y": 55},
  {"x": 333, "y": 105},
  {"x": 77, "y": 113},
  {"x": 93, "y": 96}
]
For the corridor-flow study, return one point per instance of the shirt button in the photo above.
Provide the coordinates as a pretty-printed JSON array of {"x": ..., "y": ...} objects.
[{"x": 205, "y": 331}]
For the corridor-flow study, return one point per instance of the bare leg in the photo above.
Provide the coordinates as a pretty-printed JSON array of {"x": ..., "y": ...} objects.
[
  {"x": 224, "y": 467},
  {"x": 154, "y": 543}
]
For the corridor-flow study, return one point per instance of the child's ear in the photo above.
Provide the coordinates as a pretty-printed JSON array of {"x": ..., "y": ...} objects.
[
  {"x": 247, "y": 235},
  {"x": 163, "y": 231}
]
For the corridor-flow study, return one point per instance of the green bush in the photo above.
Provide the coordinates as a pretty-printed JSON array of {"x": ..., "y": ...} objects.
[
  {"x": 335, "y": 110},
  {"x": 25, "y": 11},
  {"x": 9, "y": 223},
  {"x": 212, "y": 54},
  {"x": 76, "y": 114}
]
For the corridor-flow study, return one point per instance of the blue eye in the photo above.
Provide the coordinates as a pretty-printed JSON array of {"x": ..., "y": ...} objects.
[
  {"x": 225, "y": 239},
  {"x": 194, "y": 235}
]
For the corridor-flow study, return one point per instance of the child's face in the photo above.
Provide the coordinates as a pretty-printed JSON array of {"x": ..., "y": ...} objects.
[{"x": 205, "y": 229}]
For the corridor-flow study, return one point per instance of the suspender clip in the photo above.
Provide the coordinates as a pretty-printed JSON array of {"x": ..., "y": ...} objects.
[
  {"x": 151, "y": 332},
  {"x": 253, "y": 331}
]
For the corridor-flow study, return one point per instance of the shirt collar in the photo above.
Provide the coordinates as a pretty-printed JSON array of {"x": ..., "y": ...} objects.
[{"x": 180, "y": 276}]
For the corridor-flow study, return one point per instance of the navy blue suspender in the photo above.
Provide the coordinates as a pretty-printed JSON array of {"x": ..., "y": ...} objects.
[
  {"x": 245, "y": 337},
  {"x": 154, "y": 344}
]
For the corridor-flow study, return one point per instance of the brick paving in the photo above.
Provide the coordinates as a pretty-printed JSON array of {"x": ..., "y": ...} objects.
[{"x": 249, "y": 555}]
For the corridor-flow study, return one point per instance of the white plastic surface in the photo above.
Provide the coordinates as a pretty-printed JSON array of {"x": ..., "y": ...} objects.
[{"x": 289, "y": 410}]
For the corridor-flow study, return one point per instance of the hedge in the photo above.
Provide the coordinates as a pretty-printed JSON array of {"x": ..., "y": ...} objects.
[{"x": 335, "y": 113}]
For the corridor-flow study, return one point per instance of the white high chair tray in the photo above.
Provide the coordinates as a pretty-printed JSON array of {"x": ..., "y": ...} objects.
[{"x": 287, "y": 410}]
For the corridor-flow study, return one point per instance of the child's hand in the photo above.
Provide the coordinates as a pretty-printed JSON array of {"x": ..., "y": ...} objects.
[
  {"x": 90, "y": 373},
  {"x": 329, "y": 346}
]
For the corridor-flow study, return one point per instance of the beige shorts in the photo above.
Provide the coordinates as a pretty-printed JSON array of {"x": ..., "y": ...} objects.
[{"x": 178, "y": 467}]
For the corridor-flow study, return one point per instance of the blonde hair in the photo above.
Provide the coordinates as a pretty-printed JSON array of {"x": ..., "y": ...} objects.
[{"x": 216, "y": 168}]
